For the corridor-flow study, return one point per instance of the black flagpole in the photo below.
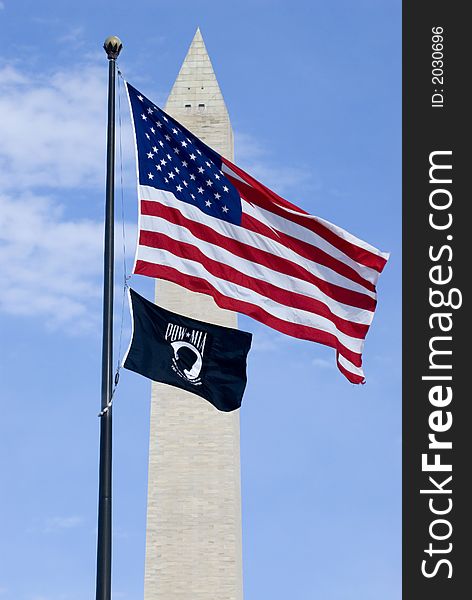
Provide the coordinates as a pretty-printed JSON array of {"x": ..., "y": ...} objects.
[{"x": 112, "y": 47}]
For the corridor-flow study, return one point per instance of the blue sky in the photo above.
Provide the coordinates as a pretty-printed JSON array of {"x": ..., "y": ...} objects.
[{"x": 313, "y": 91}]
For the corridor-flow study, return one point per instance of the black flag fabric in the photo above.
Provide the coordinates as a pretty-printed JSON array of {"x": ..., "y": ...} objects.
[{"x": 202, "y": 358}]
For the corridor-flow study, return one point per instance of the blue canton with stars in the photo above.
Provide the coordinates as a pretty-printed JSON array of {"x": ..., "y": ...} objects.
[{"x": 171, "y": 158}]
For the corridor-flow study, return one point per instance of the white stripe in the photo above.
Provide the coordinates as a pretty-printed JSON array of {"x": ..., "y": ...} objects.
[
  {"x": 229, "y": 171},
  {"x": 233, "y": 290},
  {"x": 352, "y": 239},
  {"x": 130, "y": 304},
  {"x": 347, "y": 364},
  {"x": 253, "y": 269},
  {"x": 137, "y": 172},
  {"x": 259, "y": 241}
]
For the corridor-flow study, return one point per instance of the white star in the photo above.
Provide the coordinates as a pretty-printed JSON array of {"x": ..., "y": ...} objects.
[
  {"x": 150, "y": 154},
  {"x": 166, "y": 180},
  {"x": 174, "y": 130},
  {"x": 193, "y": 157},
  {"x": 143, "y": 117},
  {"x": 176, "y": 150},
  {"x": 150, "y": 111},
  {"x": 140, "y": 98},
  {"x": 198, "y": 151},
  {"x": 208, "y": 203},
  {"x": 165, "y": 119},
  {"x": 177, "y": 170},
  {"x": 225, "y": 209},
  {"x": 200, "y": 190},
  {"x": 184, "y": 144},
  {"x": 201, "y": 170},
  {"x": 158, "y": 167},
  {"x": 169, "y": 156},
  {"x": 208, "y": 164},
  {"x": 217, "y": 196},
  {"x": 148, "y": 136},
  {"x": 185, "y": 183},
  {"x": 151, "y": 176},
  {"x": 184, "y": 163},
  {"x": 225, "y": 189},
  {"x": 171, "y": 175},
  {"x": 209, "y": 182},
  {"x": 193, "y": 196},
  {"x": 161, "y": 143},
  {"x": 179, "y": 188},
  {"x": 155, "y": 148},
  {"x": 167, "y": 137},
  {"x": 192, "y": 176},
  {"x": 153, "y": 130},
  {"x": 163, "y": 162},
  {"x": 217, "y": 176},
  {"x": 159, "y": 124}
]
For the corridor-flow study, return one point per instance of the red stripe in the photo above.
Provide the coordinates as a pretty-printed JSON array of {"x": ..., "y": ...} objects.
[
  {"x": 223, "y": 271},
  {"x": 197, "y": 284},
  {"x": 245, "y": 251},
  {"x": 353, "y": 377},
  {"x": 260, "y": 186},
  {"x": 258, "y": 194},
  {"x": 306, "y": 250}
]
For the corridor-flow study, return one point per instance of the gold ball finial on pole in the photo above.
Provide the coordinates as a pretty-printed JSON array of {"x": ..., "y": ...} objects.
[{"x": 112, "y": 47}]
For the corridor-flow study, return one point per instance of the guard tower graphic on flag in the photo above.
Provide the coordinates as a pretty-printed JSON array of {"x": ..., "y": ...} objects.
[
  {"x": 193, "y": 536},
  {"x": 188, "y": 346}
]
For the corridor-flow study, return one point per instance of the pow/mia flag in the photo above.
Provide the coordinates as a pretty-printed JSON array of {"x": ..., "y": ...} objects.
[{"x": 202, "y": 358}]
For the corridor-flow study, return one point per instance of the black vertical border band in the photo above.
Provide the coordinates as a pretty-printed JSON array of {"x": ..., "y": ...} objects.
[{"x": 437, "y": 532}]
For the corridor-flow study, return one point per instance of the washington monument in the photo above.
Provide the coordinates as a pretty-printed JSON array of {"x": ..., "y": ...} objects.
[{"x": 193, "y": 538}]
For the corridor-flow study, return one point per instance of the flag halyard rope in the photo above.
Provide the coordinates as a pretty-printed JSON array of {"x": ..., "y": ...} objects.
[{"x": 126, "y": 277}]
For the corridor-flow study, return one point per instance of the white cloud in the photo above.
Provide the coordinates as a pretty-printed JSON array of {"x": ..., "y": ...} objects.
[
  {"x": 74, "y": 35},
  {"x": 52, "y": 129},
  {"x": 52, "y": 138},
  {"x": 255, "y": 159},
  {"x": 50, "y": 265},
  {"x": 56, "y": 524},
  {"x": 323, "y": 363},
  {"x": 10, "y": 76},
  {"x": 265, "y": 342}
]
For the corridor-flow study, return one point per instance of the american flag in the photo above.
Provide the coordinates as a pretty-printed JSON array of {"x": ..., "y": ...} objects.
[{"x": 207, "y": 225}]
